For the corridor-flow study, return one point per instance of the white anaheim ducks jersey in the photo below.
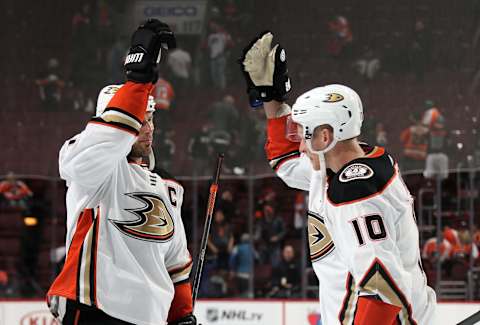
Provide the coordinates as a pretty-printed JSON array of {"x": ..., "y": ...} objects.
[
  {"x": 369, "y": 213},
  {"x": 362, "y": 232},
  {"x": 297, "y": 172},
  {"x": 126, "y": 244}
]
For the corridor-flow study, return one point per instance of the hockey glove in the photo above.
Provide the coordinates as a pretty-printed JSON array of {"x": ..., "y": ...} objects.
[
  {"x": 186, "y": 320},
  {"x": 265, "y": 70},
  {"x": 148, "y": 42}
]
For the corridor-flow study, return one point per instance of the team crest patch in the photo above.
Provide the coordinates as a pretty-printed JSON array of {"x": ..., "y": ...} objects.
[
  {"x": 355, "y": 171},
  {"x": 333, "y": 98},
  {"x": 153, "y": 220}
]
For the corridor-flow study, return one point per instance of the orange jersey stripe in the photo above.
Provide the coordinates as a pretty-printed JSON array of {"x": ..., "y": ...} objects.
[{"x": 66, "y": 282}]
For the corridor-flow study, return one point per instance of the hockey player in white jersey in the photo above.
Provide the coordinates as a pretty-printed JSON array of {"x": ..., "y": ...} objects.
[
  {"x": 362, "y": 200},
  {"x": 127, "y": 259}
]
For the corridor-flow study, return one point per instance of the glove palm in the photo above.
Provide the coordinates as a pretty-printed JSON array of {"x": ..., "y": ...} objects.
[{"x": 265, "y": 69}]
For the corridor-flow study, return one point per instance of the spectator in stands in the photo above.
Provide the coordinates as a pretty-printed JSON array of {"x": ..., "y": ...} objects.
[
  {"x": 7, "y": 289},
  {"x": 269, "y": 234},
  {"x": 299, "y": 213},
  {"x": 476, "y": 237},
  {"x": 200, "y": 148},
  {"x": 246, "y": 141},
  {"x": 241, "y": 266},
  {"x": 180, "y": 63},
  {"x": 50, "y": 86},
  {"x": 431, "y": 253},
  {"x": 420, "y": 49},
  {"x": 368, "y": 65},
  {"x": 163, "y": 94},
  {"x": 15, "y": 192},
  {"x": 436, "y": 164},
  {"x": 218, "y": 42},
  {"x": 341, "y": 37},
  {"x": 227, "y": 204},
  {"x": 165, "y": 148},
  {"x": 115, "y": 60},
  {"x": 286, "y": 276},
  {"x": 223, "y": 114},
  {"x": 33, "y": 220},
  {"x": 466, "y": 248},
  {"x": 220, "y": 242},
  {"x": 268, "y": 197},
  {"x": 381, "y": 135},
  {"x": 225, "y": 126},
  {"x": 451, "y": 235},
  {"x": 84, "y": 57},
  {"x": 415, "y": 142}
]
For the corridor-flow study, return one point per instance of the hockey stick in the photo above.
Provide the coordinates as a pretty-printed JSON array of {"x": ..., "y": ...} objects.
[
  {"x": 473, "y": 319},
  {"x": 206, "y": 230}
]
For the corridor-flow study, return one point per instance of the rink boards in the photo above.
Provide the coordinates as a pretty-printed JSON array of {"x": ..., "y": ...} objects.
[{"x": 231, "y": 312}]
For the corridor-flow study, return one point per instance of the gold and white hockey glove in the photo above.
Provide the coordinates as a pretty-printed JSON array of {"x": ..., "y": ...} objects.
[{"x": 265, "y": 70}]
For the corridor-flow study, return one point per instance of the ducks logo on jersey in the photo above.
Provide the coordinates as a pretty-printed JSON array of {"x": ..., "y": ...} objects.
[{"x": 153, "y": 223}]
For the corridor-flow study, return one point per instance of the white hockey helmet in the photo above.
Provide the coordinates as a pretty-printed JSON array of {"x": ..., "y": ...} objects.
[
  {"x": 106, "y": 95},
  {"x": 104, "y": 98},
  {"x": 335, "y": 105}
]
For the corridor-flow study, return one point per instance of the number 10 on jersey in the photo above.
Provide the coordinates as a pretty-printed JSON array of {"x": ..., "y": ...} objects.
[{"x": 372, "y": 224}]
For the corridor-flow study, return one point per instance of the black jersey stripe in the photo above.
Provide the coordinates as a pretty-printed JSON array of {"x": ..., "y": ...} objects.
[
  {"x": 344, "y": 315},
  {"x": 276, "y": 162},
  {"x": 122, "y": 126},
  {"x": 93, "y": 261}
]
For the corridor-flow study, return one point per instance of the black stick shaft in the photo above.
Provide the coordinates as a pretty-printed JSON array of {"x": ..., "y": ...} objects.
[
  {"x": 473, "y": 319},
  {"x": 206, "y": 230}
]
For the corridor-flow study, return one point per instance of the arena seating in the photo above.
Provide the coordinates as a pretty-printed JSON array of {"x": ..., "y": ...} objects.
[{"x": 31, "y": 137}]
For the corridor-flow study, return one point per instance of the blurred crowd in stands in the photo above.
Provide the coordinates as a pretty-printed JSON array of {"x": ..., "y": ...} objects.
[
  {"x": 16, "y": 198},
  {"x": 401, "y": 68},
  {"x": 416, "y": 67},
  {"x": 251, "y": 253}
]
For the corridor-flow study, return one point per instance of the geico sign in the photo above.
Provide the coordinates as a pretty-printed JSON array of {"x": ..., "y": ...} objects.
[
  {"x": 177, "y": 11},
  {"x": 40, "y": 317}
]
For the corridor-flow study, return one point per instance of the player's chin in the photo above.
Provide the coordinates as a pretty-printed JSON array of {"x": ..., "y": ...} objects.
[
  {"x": 142, "y": 149},
  {"x": 146, "y": 150}
]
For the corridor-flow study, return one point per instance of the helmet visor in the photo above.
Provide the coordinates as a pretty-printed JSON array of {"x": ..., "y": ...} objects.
[{"x": 291, "y": 130}]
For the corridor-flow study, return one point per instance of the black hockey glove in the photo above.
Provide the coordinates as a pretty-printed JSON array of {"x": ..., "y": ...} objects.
[
  {"x": 148, "y": 42},
  {"x": 265, "y": 70},
  {"x": 186, "y": 320}
]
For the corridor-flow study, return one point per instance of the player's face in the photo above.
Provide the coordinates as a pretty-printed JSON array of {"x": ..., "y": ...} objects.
[
  {"x": 143, "y": 146},
  {"x": 314, "y": 159}
]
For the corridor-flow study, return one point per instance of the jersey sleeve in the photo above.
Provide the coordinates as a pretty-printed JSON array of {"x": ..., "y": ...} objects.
[
  {"x": 179, "y": 265},
  {"x": 178, "y": 260},
  {"x": 284, "y": 156},
  {"x": 368, "y": 246},
  {"x": 90, "y": 157}
]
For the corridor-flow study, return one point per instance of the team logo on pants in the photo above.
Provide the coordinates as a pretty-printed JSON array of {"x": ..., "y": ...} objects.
[{"x": 153, "y": 223}]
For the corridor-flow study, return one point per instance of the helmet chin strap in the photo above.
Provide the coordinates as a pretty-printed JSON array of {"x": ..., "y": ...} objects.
[
  {"x": 323, "y": 163},
  {"x": 151, "y": 160}
]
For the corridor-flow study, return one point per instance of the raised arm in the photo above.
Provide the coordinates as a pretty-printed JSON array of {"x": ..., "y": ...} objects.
[
  {"x": 91, "y": 157},
  {"x": 265, "y": 70}
]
